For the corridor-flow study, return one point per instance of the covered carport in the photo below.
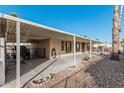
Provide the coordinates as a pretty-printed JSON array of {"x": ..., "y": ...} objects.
[{"x": 18, "y": 31}]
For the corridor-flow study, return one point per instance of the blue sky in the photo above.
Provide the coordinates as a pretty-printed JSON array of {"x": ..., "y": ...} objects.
[{"x": 93, "y": 21}]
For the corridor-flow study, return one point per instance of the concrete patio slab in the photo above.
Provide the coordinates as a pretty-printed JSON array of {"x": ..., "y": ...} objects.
[
  {"x": 60, "y": 64},
  {"x": 30, "y": 70}
]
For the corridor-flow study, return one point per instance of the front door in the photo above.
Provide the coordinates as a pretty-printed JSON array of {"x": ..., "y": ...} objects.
[
  {"x": 68, "y": 47},
  {"x": 83, "y": 47}
]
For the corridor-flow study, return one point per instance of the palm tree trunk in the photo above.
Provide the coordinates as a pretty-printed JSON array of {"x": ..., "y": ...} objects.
[{"x": 115, "y": 35}]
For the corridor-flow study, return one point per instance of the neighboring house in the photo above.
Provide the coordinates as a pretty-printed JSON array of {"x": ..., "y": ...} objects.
[
  {"x": 102, "y": 46},
  {"x": 44, "y": 41}
]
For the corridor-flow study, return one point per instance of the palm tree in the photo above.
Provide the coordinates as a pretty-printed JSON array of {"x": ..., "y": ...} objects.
[{"x": 115, "y": 35}]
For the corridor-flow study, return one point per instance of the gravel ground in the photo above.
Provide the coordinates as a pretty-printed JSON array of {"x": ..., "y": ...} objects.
[
  {"x": 99, "y": 72},
  {"x": 108, "y": 73}
]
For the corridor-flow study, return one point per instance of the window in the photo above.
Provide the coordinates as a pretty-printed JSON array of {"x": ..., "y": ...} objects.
[
  {"x": 77, "y": 46},
  {"x": 62, "y": 45}
]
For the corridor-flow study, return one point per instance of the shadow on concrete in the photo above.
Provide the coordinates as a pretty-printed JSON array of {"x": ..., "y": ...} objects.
[{"x": 30, "y": 65}]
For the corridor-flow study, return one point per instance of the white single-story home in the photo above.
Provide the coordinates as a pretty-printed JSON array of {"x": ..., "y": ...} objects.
[{"x": 17, "y": 34}]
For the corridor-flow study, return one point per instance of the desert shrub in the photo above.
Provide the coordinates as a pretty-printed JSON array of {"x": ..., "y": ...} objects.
[{"x": 86, "y": 58}]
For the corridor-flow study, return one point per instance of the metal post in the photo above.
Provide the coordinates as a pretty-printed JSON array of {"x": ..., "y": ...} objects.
[
  {"x": 74, "y": 56},
  {"x": 17, "y": 54},
  {"x": 90, "y": 49}
]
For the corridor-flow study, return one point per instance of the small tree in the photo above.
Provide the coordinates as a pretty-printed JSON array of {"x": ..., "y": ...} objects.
[
  {"x": 97, "y": 39},
  {"x": 122, "y": 43},
  {"x": 14, "y": 14}
]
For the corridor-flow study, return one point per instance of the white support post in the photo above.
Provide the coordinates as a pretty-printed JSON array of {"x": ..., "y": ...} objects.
[
  {"x": 98, "y": 48},
  {"x": 17, "y": 54},
  {"x": 90, "y": 49},
  {"x": 2, "y": 60},
  {"x": 74, "y": 56}
]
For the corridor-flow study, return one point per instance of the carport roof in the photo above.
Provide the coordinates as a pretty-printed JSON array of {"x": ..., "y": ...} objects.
[{"x": 5, "y": 16}]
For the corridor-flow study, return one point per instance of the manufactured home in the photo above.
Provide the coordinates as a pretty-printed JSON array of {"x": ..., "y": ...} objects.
[{"x": 22, "y": 40}]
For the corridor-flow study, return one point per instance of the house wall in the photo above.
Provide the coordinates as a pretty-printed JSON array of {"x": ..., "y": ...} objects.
[
  {"x": 34, "y": 49},
  {"x": 44, "y": 44},
  {"x": 56, "y": 44},
  {"x": 50, "y": 44}
]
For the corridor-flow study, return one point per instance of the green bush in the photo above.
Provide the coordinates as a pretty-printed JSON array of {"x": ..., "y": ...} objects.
[{"x": 86, "y": 58}]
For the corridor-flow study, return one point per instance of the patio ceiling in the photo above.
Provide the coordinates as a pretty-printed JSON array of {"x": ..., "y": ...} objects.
[{"x": 36, "y": 31}]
